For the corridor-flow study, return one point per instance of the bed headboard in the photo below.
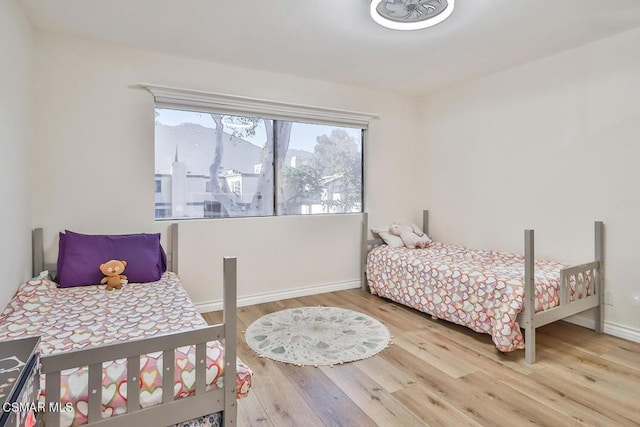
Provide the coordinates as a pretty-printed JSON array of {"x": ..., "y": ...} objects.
[
  {"x": 38, "y": 264},
  {"x": 365, "y": 228},
  {"x": 368, "y": 244}
]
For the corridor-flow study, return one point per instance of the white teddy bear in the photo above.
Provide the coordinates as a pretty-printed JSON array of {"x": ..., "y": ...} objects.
[{"x": 412, "y": 236}]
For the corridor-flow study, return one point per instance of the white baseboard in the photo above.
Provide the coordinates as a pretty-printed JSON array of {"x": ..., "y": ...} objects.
[
  {"x": 619, "y": 331},
  {"x": 216, "y": 305}
]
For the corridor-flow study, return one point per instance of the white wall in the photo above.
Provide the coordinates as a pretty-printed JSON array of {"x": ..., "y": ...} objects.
[
  {"x": 551, "y": 145},
  {"x": 95, "y": 142},
  {"x": 16, "y": 120}
]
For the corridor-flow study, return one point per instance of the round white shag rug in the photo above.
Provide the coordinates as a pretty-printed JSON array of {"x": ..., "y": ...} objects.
[{"x": 317, "y": 336}]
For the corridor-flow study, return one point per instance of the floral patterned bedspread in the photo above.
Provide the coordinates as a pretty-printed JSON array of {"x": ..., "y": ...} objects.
[
  {"x": 483, "y": 290},
  {"x": 75, "y": 318}
]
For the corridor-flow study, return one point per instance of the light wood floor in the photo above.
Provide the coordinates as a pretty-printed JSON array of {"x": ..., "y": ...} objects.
[{"x": 438, "y": 373}]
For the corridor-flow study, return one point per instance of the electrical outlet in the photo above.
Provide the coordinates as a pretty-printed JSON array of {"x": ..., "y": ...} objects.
[{"x": 608, "y": 298}]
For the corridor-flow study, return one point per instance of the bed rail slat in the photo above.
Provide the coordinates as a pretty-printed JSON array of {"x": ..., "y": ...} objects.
[
  {"x": 95, "y": 392},
  {"x": 529, "y": 297},
  {"x": 52, "y": 392},
  {"x": 166, "y": 414},
  {"x": 201, "y": 368},
  {"x": 580, "y": 275},
  {"x": 229, "y": 297},
  {"x": 179, "y": 410},
  {"x": 133, "y": 383},
  {"x": 575, "y": 269},
  {"x": 557, "y": 313},
  {"x": 168, "y": 374},
  {"x": 563, "y": 289},
  {"x": 72, "y": 359}
]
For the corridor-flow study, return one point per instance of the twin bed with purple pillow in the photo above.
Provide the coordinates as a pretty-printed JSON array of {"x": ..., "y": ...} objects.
[{"x": 90, "y": 334}]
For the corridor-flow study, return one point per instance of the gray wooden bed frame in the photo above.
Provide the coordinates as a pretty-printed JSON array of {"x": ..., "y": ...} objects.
[
  {"x": 529, "y": 320},
  {"x": 170, "y": 411}
]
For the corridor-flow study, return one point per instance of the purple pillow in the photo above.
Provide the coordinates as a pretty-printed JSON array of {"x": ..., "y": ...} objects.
[{"x": 80, "y": 256}]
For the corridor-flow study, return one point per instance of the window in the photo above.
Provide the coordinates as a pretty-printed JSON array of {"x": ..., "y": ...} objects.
[
  {"x": 320, "y": 170},
  {"x": 212, "y": 164}
]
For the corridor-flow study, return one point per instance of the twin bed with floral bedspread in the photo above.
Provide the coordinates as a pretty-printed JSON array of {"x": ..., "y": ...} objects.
[{"x": 490, "y": 292}]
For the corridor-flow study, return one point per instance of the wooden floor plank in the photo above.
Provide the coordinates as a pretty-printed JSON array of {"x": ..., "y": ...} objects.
[
  {"x": 330, "y": 403},
  {"x": 503, "y": 406},
  {"x": 250, "y": 409},
  {"x": 437, "y": 373},
  {"x": 580, "y": 337},
  {"x": 572, "y": 389},
  {"x": 252, "y": 413},
  {"x": 612, "y": 378},
  {"x": 482, "y": 345},
  {"x": 434, "y": 355},
  {"x": 398, "y": 319},
  {"x": 280, "y": 401},
  {"x": 479, "y": 396},
  {"x": 547, "y": 395},
  {"x": 431, "y": 408},
  {"x": 624, "y": 397},
  {"x": 388, "y": 376},
  {"x": 381, "y": 406},
  {"x": 467, "y": 355},
  {"x": 439, "y": 386},
  {"x": 625, "y": 356}
]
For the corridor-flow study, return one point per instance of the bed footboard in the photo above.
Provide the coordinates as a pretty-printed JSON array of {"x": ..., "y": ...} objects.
[
  {"x": 171, "y": 411},
  {"x": 582, "y": 280},
  {"x": 580, "y": 288}
]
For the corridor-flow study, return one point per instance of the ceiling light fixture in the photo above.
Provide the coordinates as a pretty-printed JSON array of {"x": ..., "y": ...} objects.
[{"x": 410, "y": 14}]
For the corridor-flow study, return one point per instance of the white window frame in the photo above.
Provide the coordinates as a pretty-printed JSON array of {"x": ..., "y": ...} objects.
[
  {"x": 168, "y": 97},
  {"x": 210, "y": 102}
]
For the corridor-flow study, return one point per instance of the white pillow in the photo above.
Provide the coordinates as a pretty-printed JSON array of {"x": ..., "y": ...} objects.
[{"x": 391, "y": 240}]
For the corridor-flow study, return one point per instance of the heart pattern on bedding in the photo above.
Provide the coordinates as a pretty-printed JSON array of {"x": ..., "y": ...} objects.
[{"x": 81, "y": 320}]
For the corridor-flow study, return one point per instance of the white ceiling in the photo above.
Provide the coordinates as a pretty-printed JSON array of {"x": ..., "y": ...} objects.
[{"x": 336, "y": 40}]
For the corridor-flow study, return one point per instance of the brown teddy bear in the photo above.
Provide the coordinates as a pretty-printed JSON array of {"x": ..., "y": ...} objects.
[{"x": 113, "y": 269}]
